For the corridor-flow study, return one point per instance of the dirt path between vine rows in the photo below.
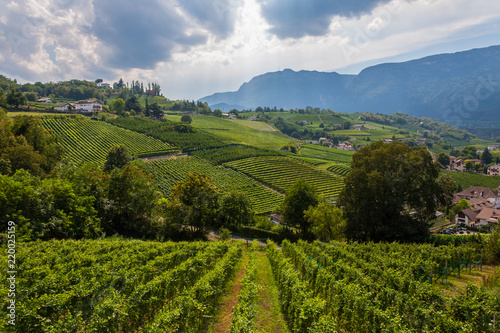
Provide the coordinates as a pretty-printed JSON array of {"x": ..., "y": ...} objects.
[{"x": 230, "y": 301}]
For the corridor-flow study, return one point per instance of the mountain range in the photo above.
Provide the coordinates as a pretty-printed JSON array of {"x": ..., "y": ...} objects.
[{"x": 456, "y": 88}]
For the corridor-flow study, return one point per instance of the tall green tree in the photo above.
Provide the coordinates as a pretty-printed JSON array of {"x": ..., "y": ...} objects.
[
  {"x": 16, "y": 97},
  {"x": 236, "y": 209},
  {"x": 117, "y": 157},
  {"x": 298, "y": 198},
  {"x": 392, "y": 193},
  {"x": 3, "y": 99},
  {"x": 117, "y": 105},
  {"x": 486, "y": 156},
  {"x": 194, "y": 202},
  {"x": 443, "y": 159},
  {"x": 327, "y": 222}
]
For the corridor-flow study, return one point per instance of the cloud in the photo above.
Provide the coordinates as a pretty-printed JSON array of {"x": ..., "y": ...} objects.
[{"x": 299, "y": 18}]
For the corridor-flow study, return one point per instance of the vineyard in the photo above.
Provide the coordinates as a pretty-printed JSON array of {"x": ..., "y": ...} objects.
[
  {"x": 280, "y": 173},
  {"x": 466, "y": 180},
  {"x": 219, "y": 156},
  {"x": 177, "y": 134},
  {"x": 169, "y": 171},
  {"x": 117, "y": 285},
  {"x": 89, "y": 141},
  {"x": 373, "y": 288},
  {"x": 340, "y": 169},
  {"x": 327, "y": 154}
]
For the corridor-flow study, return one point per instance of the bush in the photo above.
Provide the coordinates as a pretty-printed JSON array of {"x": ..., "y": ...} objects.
[{"x": 224, "y": 234}]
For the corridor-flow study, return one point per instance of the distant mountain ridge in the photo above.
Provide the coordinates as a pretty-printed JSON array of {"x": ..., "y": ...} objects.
[{"x": 453, "y": 87}]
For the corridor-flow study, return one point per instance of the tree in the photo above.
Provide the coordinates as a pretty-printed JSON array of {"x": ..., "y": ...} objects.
[
  {"x": 236, "y": 209},
  {"x": 326, "y": 221},
  {"x": 132, "y": 103},
  {"x": 469, "y": 165},
  {"x": 186, "y": 119},
  {"x": 117, "y": 105},
  {"x": 486, "y": 156},
  {"x": 156, "y": 110},
  {"x": 194, "y": 202},
  {"x": 443, "y": 159},
  {"x": 298, "y": 198},
  {"x": 461, "y": 205},
  {"x": 16, "y": 98},
  {"x": 117, "y": 157},
  {"x": 3, "y": 99},
  {"x": 392, "y": 193},
  {"x": 218, "y": 113},
  {"x": 132, "y": 196}
]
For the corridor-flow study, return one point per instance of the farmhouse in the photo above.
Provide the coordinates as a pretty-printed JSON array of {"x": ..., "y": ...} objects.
[
  {"x": 478, "y": 192},
  {"x": 494, "y": 170},
  {"x": 45, "y": 100},
  {"x": 457, "y": 165},
  {"x": 88, "y": 105},
  {"x": 466, "y": 216},
  {"x": 64, "y": 107},
  {"x": 359, "y": 127},
  {"x": 488, "y": 215}
]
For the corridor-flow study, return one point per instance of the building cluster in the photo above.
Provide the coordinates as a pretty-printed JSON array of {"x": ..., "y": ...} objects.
[{"x": 484, "y": 206}]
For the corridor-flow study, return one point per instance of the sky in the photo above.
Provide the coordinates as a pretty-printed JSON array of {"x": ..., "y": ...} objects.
[{"x": 194, "y": 48}]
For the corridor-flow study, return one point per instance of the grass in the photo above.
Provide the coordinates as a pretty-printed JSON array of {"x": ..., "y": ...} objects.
[
  {"x": 257, "y": 125},
  {"x": 270, "y": 317},
  {"x": 456, "y": 285},
  {"x": 230, "y": 300}
]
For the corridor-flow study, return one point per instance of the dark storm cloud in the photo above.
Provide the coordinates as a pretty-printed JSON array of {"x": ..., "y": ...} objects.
[
  {"x": 298, "y": 18},
  {"x": 141, "y": 34}
]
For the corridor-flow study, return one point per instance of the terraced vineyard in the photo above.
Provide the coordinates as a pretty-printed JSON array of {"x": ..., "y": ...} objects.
[
  {"x": 169, "y": 171},
  {"x": 325, "y": 153},
  {"x": 118, "y": 286},
  {"x": 339, "y": 169},
  {"x": 231, "y": 153},
  {"x": 281, "y": 172},
  {"x": 86, "y": 140},
  {"x": 166, "y": 131}
]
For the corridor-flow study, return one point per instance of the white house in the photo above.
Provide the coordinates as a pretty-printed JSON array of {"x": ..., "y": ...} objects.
[
  {"x": 104, "y": 85},
  {"x": 466, "y": 216},
  {"x": 64, "y": 107},
  {"x": 45, "y": 100},
  {"x": 89, "y": 105}
]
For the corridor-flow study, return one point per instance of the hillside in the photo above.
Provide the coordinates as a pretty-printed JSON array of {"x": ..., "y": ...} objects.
[{"x": 429, "y": 87}]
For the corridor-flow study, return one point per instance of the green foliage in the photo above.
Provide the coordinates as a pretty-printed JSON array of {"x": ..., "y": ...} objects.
[
  {"x": 492, "y": 247},
  {"x": 194, "y": 202},
  {"x": 289, "y": 147},
  {"x": 16, "y": 98},
  {"x": 224, "y": 234},
  {"x": 235, "y": 208},
  {"x": 392, "y": 193},
  {"x": 117, "y": 157},
  {"x": 186, "y": 119},
  {"x": 24, "y": 144},
  {"x": 486, "y": 156},
  {"x": 117, "y": 105},
  {"x": 461, "y": 205},
  {"x": 443, "y": 159},
  {"x": 298, "y": 199},
  {"x": 326, "y": 221},
  {"x": 48, "y": 208}
]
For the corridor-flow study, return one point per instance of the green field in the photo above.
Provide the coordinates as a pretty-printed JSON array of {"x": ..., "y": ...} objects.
[
  {"x": 169, "y": 171},
  {"x": 466, "y": 180},
  {"x": 116, "y": 285},
  {"x": 240, "y": 134},
  {"x": 88, "y": 141},
  {"x": 281, "y": 172}
]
